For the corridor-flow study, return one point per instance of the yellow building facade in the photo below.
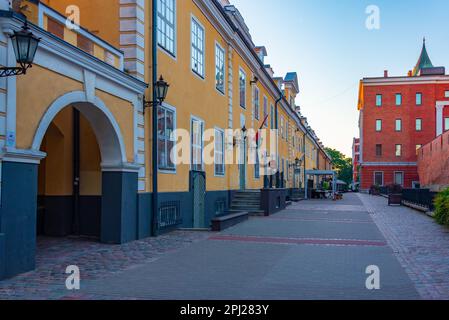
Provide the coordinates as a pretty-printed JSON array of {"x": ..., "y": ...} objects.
[{"x": 76, "y": 130}]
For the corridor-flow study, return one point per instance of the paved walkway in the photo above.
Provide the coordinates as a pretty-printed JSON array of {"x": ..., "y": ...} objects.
[
  {"x": 420, "y": 244},
  {"x": 315, "y": 249}
]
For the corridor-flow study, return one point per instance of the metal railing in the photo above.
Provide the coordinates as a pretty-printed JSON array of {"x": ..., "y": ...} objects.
[{"x": 422, "y": 197}]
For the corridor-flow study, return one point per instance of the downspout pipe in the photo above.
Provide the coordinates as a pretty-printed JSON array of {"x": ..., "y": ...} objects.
[
  {"x": 155, "y": 197},
  {"x": 305, "y": 165},
  {"x": 276, "y": 125}
]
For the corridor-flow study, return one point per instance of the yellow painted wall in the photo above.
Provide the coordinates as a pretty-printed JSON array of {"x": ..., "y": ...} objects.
[
  {"x": 49, "y": 86},
  {"x": 123, "y": 112},
  {"x": 90, "y": 160},
  {"x": 56, "y": 170},
  {"x": 99, "y": 17},
  {"x": 35, "y": 93}
]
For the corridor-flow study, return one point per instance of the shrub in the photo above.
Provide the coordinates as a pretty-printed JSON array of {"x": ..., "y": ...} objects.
[{"x": 442, "y": 207}]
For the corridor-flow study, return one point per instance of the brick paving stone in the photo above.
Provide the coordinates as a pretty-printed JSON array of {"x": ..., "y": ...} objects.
[
  {"x": 317, "y": 249},
  {"x": 419, "y": 243},
  {"x": 94, "y": 259}
]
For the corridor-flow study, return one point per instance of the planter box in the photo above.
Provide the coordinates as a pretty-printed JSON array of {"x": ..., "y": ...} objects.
[
  {"x": 273, "y": 200},
  {"x": 395, "y": 199}
]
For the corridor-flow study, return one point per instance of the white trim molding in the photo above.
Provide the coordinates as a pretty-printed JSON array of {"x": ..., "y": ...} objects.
[
  {"x": 439, "y": 116},
  {"x": 389, "y": 164}
]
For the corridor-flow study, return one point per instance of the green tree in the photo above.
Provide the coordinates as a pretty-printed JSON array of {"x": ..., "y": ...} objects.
[{"x": 342, "y": 165}]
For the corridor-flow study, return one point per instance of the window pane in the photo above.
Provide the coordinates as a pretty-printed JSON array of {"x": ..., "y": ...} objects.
[
  {"x": 419, "y": 99},
  {"x": 166, "y": 25},
  {"x": 418, "y": 124},
  {"x": 197, "y": 48},
  {"x": 170, "y": 146},
  {"x": 378, "y": 150},
  {"x": 378, "y": 178},
  {"x": 219, "y": 68},
  {"x": 446, "y": 124},
  {"x": 398, "y": 99},
  {"x": 378, "y": 100},
  {"x": 242, "y": 84},
  {"x": 398, "y": 150},
  {"x": 378, "y": 125},
  {"x": 256, "y": 104},
  {"x": 398, "y": 125},
  {"x": 399, "y": 178}
]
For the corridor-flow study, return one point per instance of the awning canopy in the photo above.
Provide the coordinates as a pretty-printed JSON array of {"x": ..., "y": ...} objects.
[{"x": 322, "y": 173}]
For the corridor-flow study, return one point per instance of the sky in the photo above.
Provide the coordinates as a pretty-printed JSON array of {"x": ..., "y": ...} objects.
[{"x": 328, "y": 44}]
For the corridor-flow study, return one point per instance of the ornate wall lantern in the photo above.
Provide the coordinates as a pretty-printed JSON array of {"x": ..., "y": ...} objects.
[{"x": 25, "y": 45}]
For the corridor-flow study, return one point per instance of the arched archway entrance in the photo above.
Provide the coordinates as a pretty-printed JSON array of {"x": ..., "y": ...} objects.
[
  {"x": 103, "y": 185},
  {"x": 107, "y": 175},
  {"x": 69, "y": 178}
]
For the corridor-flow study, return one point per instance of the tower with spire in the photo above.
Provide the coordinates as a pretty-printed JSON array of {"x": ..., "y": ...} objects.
[
  {"x": 424, "y": 66},
  {"x": 423, "y": 61}
]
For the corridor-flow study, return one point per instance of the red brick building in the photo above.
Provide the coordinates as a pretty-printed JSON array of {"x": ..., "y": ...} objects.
[
  {"x": 433, "y": 163},
  {"x": 355, "y": 160},
  {"x": 398, "y": 115}
]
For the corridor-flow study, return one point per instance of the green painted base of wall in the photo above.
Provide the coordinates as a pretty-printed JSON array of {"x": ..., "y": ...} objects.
[
  {"x": 2, "y": 256},
  {"x": 18, "y": 217},
  {"x": 119, "y": 207},
  {"x": 185, "y": 203},
  {"x": 144, "y": 215}
]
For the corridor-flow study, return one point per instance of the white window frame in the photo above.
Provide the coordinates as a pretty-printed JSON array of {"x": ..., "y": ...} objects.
[
  {"x": 419, "y": 94},
  {"x": 265, "y": 110},
  {"x": 381, "y": 100},
  {"x": 417, "y": 149},
  {"x": 194, "y": 21},
  {"x": 418, "y": 120},
  {"x": 192, "y": 145},
  {"x": 257, "y": 166},
  {"x": 398, "y": 125},
  {"x": 218, "y": 152},
  {"x": 379, "y": 121},
  {"x": 166, "y": 169},
  {"x": 256, "y": 103},
  {"x": 282, "y": 127},
  {"x": 163, "y": 48},
  {"x": 403, "y": 178},
  {"x": 383, "y": 177},
  {"x": 398, "y": 95},
  {"x": 219, "y": 48},
  {"x": 396, "y": 150},
  {"x": 242, "y": 72},
  {"x": 446, "y": 124}
]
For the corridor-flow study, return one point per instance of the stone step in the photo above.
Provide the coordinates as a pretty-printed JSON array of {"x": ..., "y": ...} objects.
[
  {"x": 245, "y": 208},
  {"x": 245, "y": 196},
  {"x": 257, "y": 213},
  {"x": 252, "y": 201}
]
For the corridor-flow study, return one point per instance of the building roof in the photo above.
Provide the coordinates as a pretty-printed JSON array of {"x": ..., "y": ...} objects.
[
  {"x": 292, "y": 78},
  {"x": 423, "y": 61}
]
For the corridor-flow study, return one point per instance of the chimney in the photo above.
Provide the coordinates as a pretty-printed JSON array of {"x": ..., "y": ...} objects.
[
  {"x": 385, "y": 73},
  {"x": 410, "y": 73}
]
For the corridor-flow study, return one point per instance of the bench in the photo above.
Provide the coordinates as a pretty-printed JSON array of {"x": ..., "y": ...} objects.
[{"x": 226, "y": 221}]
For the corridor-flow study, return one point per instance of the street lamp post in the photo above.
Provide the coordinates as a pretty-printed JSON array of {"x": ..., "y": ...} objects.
[{"x": 25, "y": 46}]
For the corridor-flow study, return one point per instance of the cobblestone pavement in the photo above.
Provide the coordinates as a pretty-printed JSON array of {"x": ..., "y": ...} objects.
[
  {"x": 94, "y": 259},
  {"x": 420, "y": 244},
  {"x": 313, "y": 250},
  {"x": 317, "y": 249}
]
